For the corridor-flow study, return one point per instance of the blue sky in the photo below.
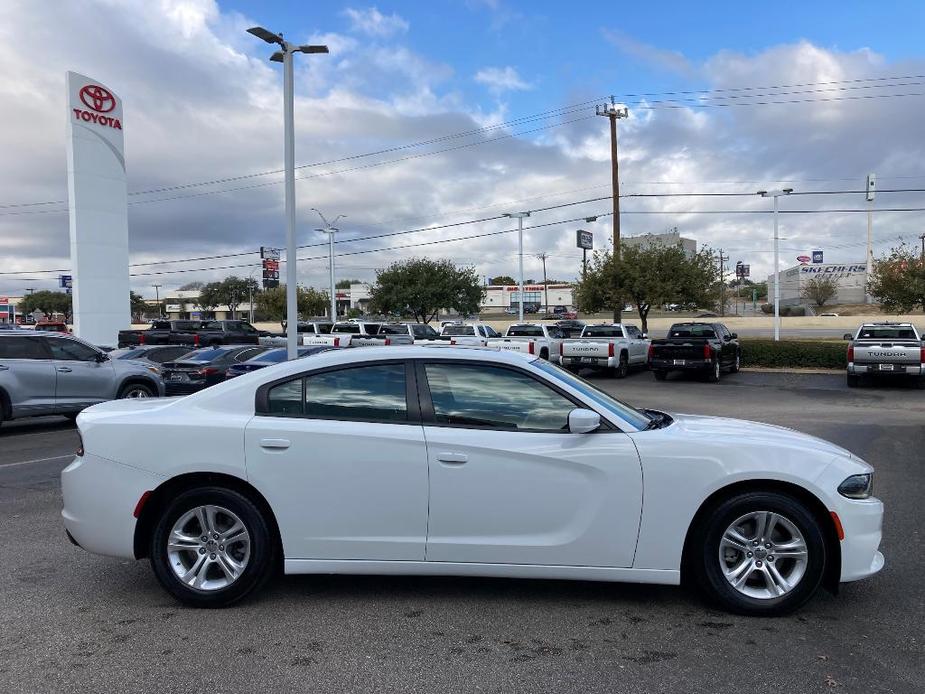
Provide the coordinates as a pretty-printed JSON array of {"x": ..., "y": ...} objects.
[{"x": 202, "y": 103}]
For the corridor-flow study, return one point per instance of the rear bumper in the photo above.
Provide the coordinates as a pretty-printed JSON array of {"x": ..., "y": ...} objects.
[
  {"x": 99, "y": 502},
  {"x": 589, "y": 362},
  {"x": 687, "y": 365},
  {"x": 875, "y": 369}
]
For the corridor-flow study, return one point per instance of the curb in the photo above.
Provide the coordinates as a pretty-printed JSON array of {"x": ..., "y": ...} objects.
[{"x": 788, "y": 370}]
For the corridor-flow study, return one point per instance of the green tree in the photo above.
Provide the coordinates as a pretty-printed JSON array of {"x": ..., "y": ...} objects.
[
  {"x": 210, "y": 296},
  {"x": 138, "y": 307},
  {"x": 272, "y": 303},
  {"x": 47, "y": 302},
  {"x": 234, "y": 291},
  {"x": 345, "y": 284},
  {"x": 192, "y": 286},
  {"x": 421, "y": 287},
  {"x": 648, "y": 277},
  {"x": 501, "y": 280},
  {"x": 820, "y": 289},
  {"x": 898, "y": 280}
]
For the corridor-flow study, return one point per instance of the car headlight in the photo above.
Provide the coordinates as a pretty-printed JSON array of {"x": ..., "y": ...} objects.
[
  {"x": 154, "y": 369},
  {"x": 857, "y": 486}
]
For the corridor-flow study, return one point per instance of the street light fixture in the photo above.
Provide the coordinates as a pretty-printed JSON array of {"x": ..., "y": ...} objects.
[
  {"x": 776, "y": 194},
  {"x": 285, "y": 57},
  {"x": 519, "y": 216},
  {"x": 329, "y": 229}
]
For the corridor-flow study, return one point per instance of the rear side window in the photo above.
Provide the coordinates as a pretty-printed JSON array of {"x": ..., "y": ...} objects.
[
  {"x": 347, "y": 328},
  {"x": 525, "y": 331},
  {"x": 365, "y": 393},
  {"x": 458, "y": 330},
  {"x": 423, "y": 331},
  {"x": 23, "y": 348},
  {"x": 165, "y": 354},
  {"x": 602, "y": 331},
  {"x": 246, "y": 354},
  {"x": 393, "y": 330}
]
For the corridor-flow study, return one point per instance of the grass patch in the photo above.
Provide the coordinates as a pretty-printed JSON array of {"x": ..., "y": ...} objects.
[{"x": 799, "y": 354}]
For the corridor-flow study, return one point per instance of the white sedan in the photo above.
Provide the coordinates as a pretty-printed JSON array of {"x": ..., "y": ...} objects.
[{"x": 465, "y": 462}]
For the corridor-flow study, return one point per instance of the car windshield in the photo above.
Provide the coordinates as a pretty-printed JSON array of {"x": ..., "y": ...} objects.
[
  {"x": 887, "y": 333},
  {"x": 127, "y": 353},
  {"x": 628, "y": 414},
  {"x": 203, "y": 355},
  {"x": 602, "y": 331}
]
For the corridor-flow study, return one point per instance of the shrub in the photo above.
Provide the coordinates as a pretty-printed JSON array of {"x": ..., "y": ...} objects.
[
  {"x": 806, "y": 354},
  {"x": 768, "y": 309}
]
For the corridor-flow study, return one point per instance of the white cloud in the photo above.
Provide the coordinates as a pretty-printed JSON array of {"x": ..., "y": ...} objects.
[
  {"x": 373, "y": 23},
  {"x": 672, "y": 61},
  {"x": 501, "y": 79}
]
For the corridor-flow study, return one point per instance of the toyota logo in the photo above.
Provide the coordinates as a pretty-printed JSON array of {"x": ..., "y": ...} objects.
[{"x": 99, "y": 99}]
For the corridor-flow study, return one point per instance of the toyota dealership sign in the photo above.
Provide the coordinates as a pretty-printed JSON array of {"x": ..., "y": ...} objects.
[{"x": 99, "y": 103}]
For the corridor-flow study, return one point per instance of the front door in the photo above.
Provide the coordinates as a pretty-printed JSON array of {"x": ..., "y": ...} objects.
[
  {"x": 510, "y": 485},
  {"x": 82, "y": 379},
  {"x": 340, "y": 457}
]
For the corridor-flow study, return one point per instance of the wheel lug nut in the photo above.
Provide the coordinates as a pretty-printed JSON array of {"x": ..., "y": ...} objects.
[
  {"x": 215, "y": 537},
  {"x": 770, "y": 557},
  {"x": 757, "y": 563},
  {"x": 754, "y": 543},
  {"x": 204, "y": 538},
  {"x": 221, "y": 548},
  {"x": 212, "y": 556},
  {"x": 202, "y": 550},
  {"x": 749, "y": 555},
  {"x": 768, "y": 545}
]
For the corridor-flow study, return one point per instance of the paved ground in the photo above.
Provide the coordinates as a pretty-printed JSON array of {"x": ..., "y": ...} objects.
[{"x": 70, "y": 621}]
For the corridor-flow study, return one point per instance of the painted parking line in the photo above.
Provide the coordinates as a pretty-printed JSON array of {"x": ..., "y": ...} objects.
[{"x": 36, "y": 460}]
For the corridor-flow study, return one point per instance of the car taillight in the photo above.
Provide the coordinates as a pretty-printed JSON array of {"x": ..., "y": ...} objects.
[
  {"x": 388, "y": 341},
  {"x": 561, "y": 351},
  {"x": 452, "y": 342},
  {"x": 208, "y": 371},
  {"x": 196, "y": 340},
  {"x": 532, "y": 347},
  {"x": 922, "y": 355},
  {"x": 610, "y": 349},
  {"x": 651, "y": 352},
  {"x": 851, "y": 353},
  {"x": 707, "y": 352},
  {"x": 337, "y": 342},
  {"x": 141, "y": 339},
  {"x": 80, "y": 445}
]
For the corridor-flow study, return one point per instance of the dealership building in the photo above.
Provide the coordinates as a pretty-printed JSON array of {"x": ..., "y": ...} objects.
[{"x": 851, "y": 279}]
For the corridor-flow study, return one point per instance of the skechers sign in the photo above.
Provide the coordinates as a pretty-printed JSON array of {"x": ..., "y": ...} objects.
[{"x": 100, "y": 101}]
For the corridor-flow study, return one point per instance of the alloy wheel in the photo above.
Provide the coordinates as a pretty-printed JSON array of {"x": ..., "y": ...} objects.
[
  {"x": 208, "y": 548},
  {"x": 763, "y": 555}
]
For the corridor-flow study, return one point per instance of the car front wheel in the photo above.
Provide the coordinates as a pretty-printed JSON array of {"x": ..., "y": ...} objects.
[
  {"x": 136, "y": 390},
  {"x": 760, "y": 553},
  {"x": 211, "y": 547}
]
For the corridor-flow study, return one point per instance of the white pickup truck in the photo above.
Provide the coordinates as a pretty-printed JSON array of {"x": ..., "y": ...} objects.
[
  {"x": 469, "y": 334},
  {"x": 398, "y": 334},
  {"x": 304, "y": 329},
  {"x": 531, "y": 338},
  {"x": 612, "y": 346},
  {"x": 342, "y": 334},
  {"x": 886, "y": 349}
]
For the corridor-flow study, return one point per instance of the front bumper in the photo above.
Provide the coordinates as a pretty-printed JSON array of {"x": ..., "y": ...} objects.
[
  {"x": 860, "y": 550},
  {"x": 99, "y": 502}
]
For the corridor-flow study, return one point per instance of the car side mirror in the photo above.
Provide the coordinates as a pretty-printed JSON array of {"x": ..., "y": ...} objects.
[
  {"x": 645, "y": 336},
  {"x": 849, "y": 337},
  {"x": 101, "y": 357},
  {"x": 582, "y": 421},
  {"x": 734, "y": 336}
]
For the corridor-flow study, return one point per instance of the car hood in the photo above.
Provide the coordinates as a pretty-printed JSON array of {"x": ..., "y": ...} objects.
[
  {"x": 135, "y": 366},
  {"x": 746, "y": 432}
]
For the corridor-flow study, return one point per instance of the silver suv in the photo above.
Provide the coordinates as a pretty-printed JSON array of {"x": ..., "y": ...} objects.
[{"x": 49, "y": 373}]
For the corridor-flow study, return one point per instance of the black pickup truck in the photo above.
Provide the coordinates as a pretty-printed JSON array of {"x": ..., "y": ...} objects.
[
  {"x": 705, "y": 347},
  {"x": 193, "y": 333}
]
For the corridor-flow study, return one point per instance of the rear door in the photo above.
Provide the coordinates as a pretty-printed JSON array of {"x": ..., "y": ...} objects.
[
  {"x": 509, "y": 484},
  {"x": 638, "y": 347},
  {"x": 27, "y": 374},
  {"x": 82, "y": 379},
  {"x": 340, "y": 455}
]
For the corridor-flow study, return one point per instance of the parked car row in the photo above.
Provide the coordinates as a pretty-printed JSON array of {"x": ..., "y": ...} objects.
[{"x": 193, "y": 333}]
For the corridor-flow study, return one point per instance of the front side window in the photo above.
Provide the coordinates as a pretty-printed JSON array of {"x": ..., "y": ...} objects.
[
  {"x": 423, "y": 331},
  {"x": 72, "y": 350},
  {"x": 365, "y": 393},
  {"x": 477, "y": 395}
]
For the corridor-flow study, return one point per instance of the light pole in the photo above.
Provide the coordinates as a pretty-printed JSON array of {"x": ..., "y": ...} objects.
[
  {"x": 519, "y": 216},
  {"x": 776, "y": 194},
  {"x": 330, "y": 229},
  {"x": 614, "y": 112},
  {"x": 157, "y": 295},
  {"x": 285, "y": 57}
]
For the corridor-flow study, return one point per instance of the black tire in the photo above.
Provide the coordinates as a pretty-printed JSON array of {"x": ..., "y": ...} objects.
[
  {"x": 736, "y": 363},
  {"x": 853, "y": 380},
  {"x": 706, "y": 559},
  {"x": 134, "y": 390},
  {"x": 714, "y": 373},
  {"x": 660, "y": 374},
  {"x": 260, "y": 564},
  {"x": 623, "y": 367},
  {"x": 920, "y": 383},
  {"x": 544, "y": 354}
]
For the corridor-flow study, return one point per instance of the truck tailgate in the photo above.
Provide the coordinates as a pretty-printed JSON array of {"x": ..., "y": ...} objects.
[
  {"x": 689, "y": 349},
  {"x": 586, "y": 348},
  {"x": 886, "y": 352}
]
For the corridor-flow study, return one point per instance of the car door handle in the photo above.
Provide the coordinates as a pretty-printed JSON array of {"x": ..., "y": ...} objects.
[
  {"x": 450, "y": 457},
  {"x": 64, "y": 369},
  {"x": 274, "y": 443}
]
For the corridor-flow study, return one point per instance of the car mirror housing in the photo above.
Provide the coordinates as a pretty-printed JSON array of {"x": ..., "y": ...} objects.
[
  {"x": 582, "y": 421},
  {"x": 645, "y": 336},
  {"x": 734, "y": 336}
]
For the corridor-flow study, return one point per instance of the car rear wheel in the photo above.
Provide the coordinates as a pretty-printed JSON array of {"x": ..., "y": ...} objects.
[
  {"x": 136, "y": 390},
  {"x": 736, "y": 364},
  {"x": 211, "y": 546},
  {"x": 853, "y": 380},
  {"x": 622, "y": 368},
  {"x": 760, "y": 553},
  {"x": 714, "y": 372},
  {"x": 660, "y": 374}
]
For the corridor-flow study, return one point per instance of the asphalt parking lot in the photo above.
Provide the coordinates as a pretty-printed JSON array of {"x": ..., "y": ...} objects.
[{"x": 71, "y": 621}]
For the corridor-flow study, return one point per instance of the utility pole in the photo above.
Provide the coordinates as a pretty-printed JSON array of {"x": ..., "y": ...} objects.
[
  {"x": 543, "y": 256},
  {"x": 284, "y": 56},
  {"x": 868, "y": 262},
  {"x": 519, "y": 216},
  {"x": 722, "y": 282},
  {"x": 776, "y": 194},
  {"x": 157, "y": 295},
  {"x": 922, "y": 239},
  {"x": 330, "y": 229},
  {"x": 615, "y": 112}
]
